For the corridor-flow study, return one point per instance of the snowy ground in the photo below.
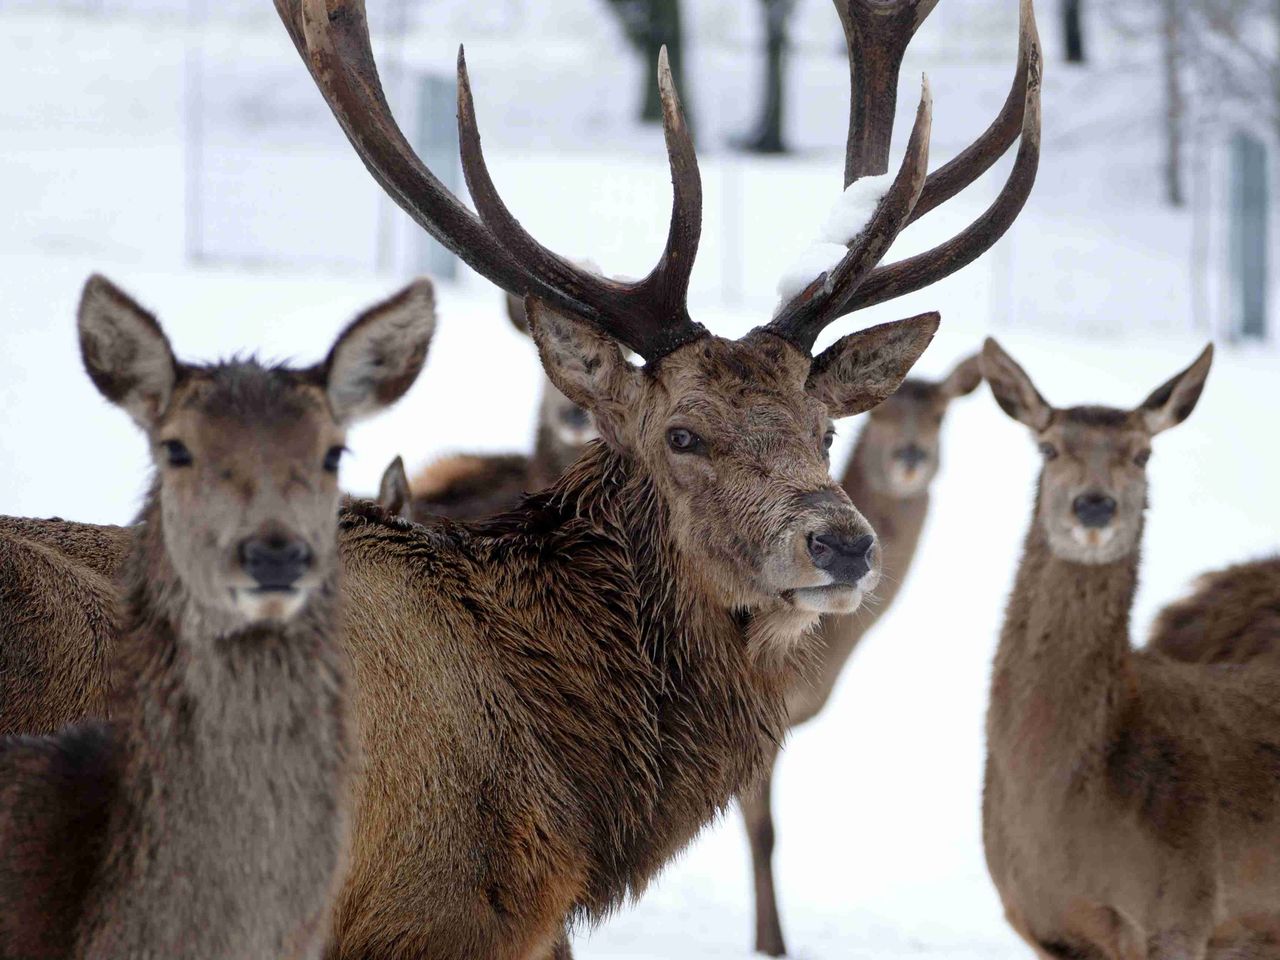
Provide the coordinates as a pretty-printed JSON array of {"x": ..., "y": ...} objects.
[{"x": 877, "y": 805}]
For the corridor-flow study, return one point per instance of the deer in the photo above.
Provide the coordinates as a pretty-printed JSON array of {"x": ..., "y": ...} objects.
[
  {"x": 1231, "y": 617},
  {"x": 209, "y": 817},
  {"x": 888, "y": 475},
  {"x": 1131, "y": 803},
  {"x": 473, "y": 486},
  {"x": 394, "y": 495},
  {"x": 554, "y": 701}
]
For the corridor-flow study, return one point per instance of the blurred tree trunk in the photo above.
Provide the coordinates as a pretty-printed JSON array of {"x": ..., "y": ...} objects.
[
  {"x": 767, "y": 136},
  {"x": 1073, "y": 30},
  {"x": 649, "y": 25},
  {"x": 1175, "y": 108}
]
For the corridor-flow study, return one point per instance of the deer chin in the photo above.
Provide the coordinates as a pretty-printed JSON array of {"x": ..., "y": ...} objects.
[
  {"x": 258, "y": 605},
  {"x": 833, "y": 598}
]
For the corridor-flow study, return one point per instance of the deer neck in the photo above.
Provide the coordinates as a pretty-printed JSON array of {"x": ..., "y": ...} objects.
[
  {"x": 246, "y": 729},
  {"x": 551, "y": 458},
  {"x": 702, "y": 711},
  {"x": 1061, "y": 678}
]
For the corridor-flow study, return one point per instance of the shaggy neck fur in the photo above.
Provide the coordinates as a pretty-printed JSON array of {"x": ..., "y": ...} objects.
[
  {"x": 1061, "y": 679},
  {"x": 234, "y": 756}
]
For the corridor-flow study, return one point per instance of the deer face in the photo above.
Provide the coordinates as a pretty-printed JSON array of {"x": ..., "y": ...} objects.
[
  {"x": 901, "y": 436},
  {"x": 735, "y": 436},
  {"x": 1093, "y": 486},
  {"x": 247, "y": 456}
]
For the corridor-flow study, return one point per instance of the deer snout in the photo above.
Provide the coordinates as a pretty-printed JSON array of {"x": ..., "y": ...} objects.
[
  {"x": 1094, "y": 509},
  {"x": 275, "y": 561},
  {"x": 847, "y": 558}
]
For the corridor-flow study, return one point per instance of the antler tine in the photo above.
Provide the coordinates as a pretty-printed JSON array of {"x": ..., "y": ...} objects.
[
  {"x": 953, "y": 176},
  {"x": 649, "y": 316},
  {"x": 333, "y": 37},
  {"x": 877, "y": 33},
  {"x": 802, "y": 318},
  {"x": 897, "y": 279}
]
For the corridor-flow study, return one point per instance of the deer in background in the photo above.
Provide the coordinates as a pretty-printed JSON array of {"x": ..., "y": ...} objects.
[
  {"x": 1132, "y": 804},
  {"x": 888, "y": 475},
  {"x": 1231, "y": 617},
  {"x": 209, "y": 818},
  {"x": 556, "y": 700},
  {"x": 472, "y": 486},
  {"x": 394, "y": 495}
]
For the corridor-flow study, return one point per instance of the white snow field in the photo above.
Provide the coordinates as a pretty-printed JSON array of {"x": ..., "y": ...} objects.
[{"x": 879, "y": 854}]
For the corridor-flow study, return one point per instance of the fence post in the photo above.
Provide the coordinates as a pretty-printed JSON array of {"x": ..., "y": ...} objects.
[
  {"x": 437, "y": 130},
  {"x": 1248, "y": 237}
]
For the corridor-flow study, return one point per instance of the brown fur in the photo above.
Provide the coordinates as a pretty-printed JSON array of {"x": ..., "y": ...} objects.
[
  {"x": 584, "y": 682},
  {"x": 1231, "y": 617},
  {"x": 1132, "y": 805},
  {"x": 895, "y": 501}
]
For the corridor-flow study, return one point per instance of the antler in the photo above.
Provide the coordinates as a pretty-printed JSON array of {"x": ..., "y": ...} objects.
[
  {"x": 649, "y": 316},
  {"x": 856, "y": 282}
]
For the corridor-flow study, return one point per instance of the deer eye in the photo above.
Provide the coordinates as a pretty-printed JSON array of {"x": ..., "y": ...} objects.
[
  {"x": 828, "y": 439},
  {"x": 1142, "y": 457},
  {"x": 333, "y": 458},
  {"x": 685, "y": 441},
  {"x": 1049, "y": 451},
  {"x": 176, "y": 453}
]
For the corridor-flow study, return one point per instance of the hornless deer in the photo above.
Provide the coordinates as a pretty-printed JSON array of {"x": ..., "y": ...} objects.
[
  {"x": 555, "y": 701},
  {"x": 1132, "y": 804},
  {"x": 1231, "y": 617},
  {"x": 888, "y": 475},
  {"x": 209, "y": 818},
  {"x": 472, "y": 486}
]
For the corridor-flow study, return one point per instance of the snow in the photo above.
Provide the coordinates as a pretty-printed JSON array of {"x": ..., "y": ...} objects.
[
  {"x": 877, "y": 800},
  {"x": 815, "y": 260},
  {"x": 853, "y": 211}
]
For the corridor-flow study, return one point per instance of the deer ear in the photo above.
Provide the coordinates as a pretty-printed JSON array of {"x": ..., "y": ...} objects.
[
  {"x": 377, "y": 358},
  {"x": 964, "y": 379},
  {"x": 1013, "y": 389},
  {"x": 516, "y": 313},
  {"x": 1173, "y": 402},
  {"x": 862, "y": 370},
  {"x": 586, "y": 366},
  {"x": 125, "y": 352},
  {"x": 393, "y": 491}
]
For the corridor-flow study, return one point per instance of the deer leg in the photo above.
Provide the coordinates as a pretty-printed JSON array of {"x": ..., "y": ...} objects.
[{"x": 756, "y": 804}]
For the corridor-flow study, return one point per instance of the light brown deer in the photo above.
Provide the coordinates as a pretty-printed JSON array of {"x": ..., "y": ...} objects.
[
  {"x": 888, "y": 476},
  {"x": 209, "y": 819},
  {"x": 1132, "y": 804},
  {"x": 554, "y": 702},
  {"x": 1231, "y": 617},
  {"x": 474, "y": 486}
]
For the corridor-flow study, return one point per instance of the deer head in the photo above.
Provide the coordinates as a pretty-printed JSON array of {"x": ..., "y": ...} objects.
[
  {"x": 1093, "y": 486},
  {"x": 566, "y": 426},
  {"x": 246, "y": 456},
  {"x": 899, "y": 444},
  {"x": 733, "y": 433}
]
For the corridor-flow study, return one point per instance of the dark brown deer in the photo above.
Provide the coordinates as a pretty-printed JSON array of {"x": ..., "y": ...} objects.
[
  {"x": 1132, "y": 804},
  {"x": 888, "y": 476},
  {"x": 554, "y": 702},
  {"x": 209, "y": 818},
  {"x": 1231, "y": 617},
  {"x": 474, "y": 486}
]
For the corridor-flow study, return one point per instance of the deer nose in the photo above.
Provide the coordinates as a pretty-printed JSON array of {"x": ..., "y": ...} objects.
[
  {"x": 1094, "y": 509},
  {"x": 577, "y": 418},
  {"x": 275, "y": 562},
  {"x": 846, "y": 558},
  {"x": 911, "y": 455}
]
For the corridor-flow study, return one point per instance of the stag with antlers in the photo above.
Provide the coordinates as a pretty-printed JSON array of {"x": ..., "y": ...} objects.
[{"x": 554, "y": 702}]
